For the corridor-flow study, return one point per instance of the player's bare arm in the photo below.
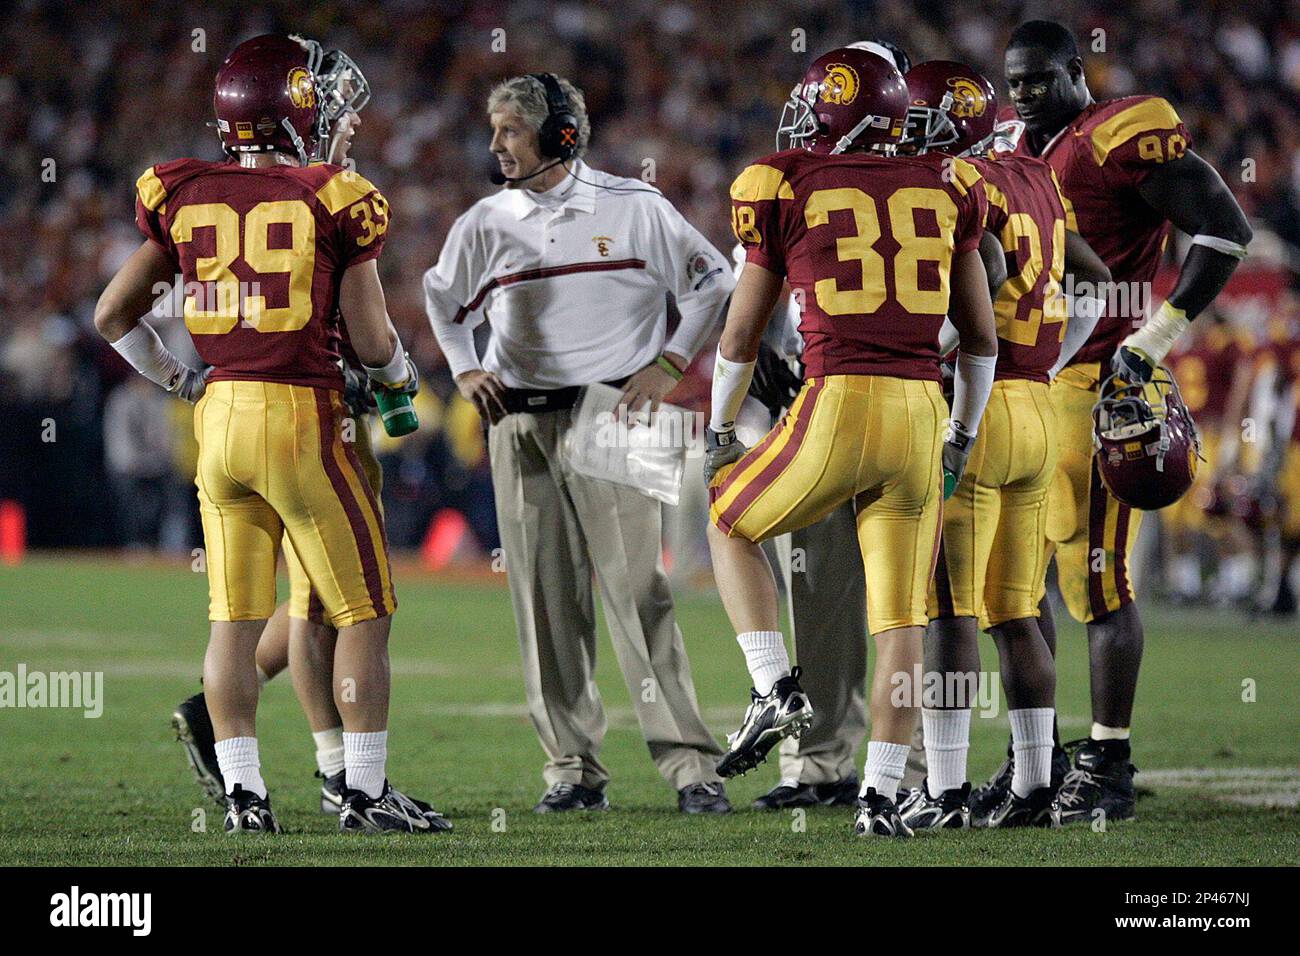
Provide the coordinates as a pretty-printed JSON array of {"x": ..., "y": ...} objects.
[
  {"x": 362, "y": 305},
  {"x": 995, "y": 262},
  {"x": 1191, "y": 194},
  {"x": 129, "y": 295}
]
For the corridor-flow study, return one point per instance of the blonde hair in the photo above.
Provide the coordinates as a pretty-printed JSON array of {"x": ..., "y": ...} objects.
[{"x": 527, "y": 96}]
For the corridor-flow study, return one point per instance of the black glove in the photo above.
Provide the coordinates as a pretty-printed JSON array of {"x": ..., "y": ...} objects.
[
  {"x": 358, "y": 394},
  {"x": 774, "y": 384},
  {"x": 1132, "y": 365}
]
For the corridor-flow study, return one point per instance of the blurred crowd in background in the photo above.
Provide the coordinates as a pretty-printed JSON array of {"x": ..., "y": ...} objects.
[{"x": 681, "y": 93}]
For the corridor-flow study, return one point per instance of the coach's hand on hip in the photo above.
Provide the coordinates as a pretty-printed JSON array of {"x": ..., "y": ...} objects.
[
  {"x": 653, "y": 382},
  {"x": 487, "y": 393}
]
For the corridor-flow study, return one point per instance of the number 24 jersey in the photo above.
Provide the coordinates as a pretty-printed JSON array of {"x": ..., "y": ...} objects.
[
  {"x": 262, "y": 253},
  {"x": 866, "y": 243}
]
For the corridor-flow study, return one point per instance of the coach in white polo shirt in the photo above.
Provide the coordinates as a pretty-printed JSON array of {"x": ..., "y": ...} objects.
[{"x": 570, "y": 266}]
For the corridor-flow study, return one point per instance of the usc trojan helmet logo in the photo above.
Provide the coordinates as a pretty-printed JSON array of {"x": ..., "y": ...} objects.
[
  {"x": 841, "y": 84},
  {"x": 968, "y": 98},
  {"x": 302, "y": 91}
]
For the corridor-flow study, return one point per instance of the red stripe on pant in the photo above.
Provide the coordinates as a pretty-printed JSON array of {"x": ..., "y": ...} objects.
[
  {"x": 1121, "y": 554},
  {"x": 764, "y": 479},
  {"x": 351, "y": 507},
  {"x": 1097, "y": 500},
  {"x": 350, "y": 452}
]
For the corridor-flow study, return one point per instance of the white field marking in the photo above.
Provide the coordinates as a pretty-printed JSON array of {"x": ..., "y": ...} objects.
[{"x": 1250, "y": 786}]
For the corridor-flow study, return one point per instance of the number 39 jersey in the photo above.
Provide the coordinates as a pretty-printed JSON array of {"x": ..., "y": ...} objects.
[
  {"x": 262, "y": 253},
  {"x": 866, "y": 243}
]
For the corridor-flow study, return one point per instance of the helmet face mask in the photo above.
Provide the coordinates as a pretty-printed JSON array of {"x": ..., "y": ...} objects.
[
  {"x": 1147, "y": 445},
  {"x": 952, "y": 108},
  {"x": 343, "y": 89},
  {"x": 848, "y": 99}
]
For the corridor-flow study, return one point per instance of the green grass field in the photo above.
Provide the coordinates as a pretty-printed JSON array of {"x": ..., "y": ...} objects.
[{"x": 115, "y": 790}]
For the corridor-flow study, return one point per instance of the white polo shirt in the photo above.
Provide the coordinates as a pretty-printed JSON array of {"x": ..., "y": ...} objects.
[{"x": 573, "y": 282}]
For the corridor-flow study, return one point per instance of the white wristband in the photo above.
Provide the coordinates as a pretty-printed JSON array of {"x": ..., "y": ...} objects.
[
  {"x": 730, "y": 383},
  {"x": 395, "y": 372},
  {"x": 145, "y": 351},
  {"x": 1158, "y": 335},
  {"x": 971, "y": 387},
  {"x": 1225, "y": 246}
]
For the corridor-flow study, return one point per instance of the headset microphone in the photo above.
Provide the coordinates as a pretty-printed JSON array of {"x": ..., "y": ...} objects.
[{"x": 500, "y": 179}]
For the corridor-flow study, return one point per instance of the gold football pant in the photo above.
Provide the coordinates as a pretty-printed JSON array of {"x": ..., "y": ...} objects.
[
  {"x": 1092, "y": 531},
  {"x": 1288, "y": 486},
  {"x": 994, "y": 549},
  {"x": 273, "y": 462},
  {"x": 304, "y": 600},
  {"x": 872, "y": 439}
]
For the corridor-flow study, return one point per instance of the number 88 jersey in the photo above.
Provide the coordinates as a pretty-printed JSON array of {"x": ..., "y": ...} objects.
[
  {"x": 261, "y": 253},
  {"x": 866, "y": 243}
]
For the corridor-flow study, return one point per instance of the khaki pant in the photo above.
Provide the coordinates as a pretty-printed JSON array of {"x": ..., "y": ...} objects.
[
  {"x": 827, "y": 598},
  {"x": 556, "y": 528}
]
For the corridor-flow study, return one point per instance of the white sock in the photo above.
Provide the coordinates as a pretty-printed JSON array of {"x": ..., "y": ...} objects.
[
  {"x": 947, "y": 739},
  {"x": 366, "y": 756},
  {"x": 1031, "y": 744},
  {"x": 884, "y": 769},
  {"x": 765, "y": 657},
  {"x": 240, "y": 765},
  {"x": 329, "y": 751}
]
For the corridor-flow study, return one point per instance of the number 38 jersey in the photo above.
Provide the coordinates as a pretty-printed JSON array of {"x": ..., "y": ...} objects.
[
  {"x": 866, "y": 243},
  {"x": 262, "y": 253}
]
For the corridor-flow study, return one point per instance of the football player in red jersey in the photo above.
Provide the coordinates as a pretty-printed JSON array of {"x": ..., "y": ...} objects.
[
  {"x": 994, "y": 549},
  {"x": 298, "y": 629},
  {"x": 272, "y": 250},
  {"x": 873, "y": 244},
  {"x": 1127, "y": 168}
]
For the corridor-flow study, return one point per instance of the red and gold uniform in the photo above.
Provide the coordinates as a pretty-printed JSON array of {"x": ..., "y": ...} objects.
[
  {"x": 1204, "y": 365},
  {"x": 994, "y": 554},
  {"x": 1101, "y": 158},
  {"x": 1283, "y": 354},
  {"x": 867, "y": 244},
  {"x": 262, "y": 253}
]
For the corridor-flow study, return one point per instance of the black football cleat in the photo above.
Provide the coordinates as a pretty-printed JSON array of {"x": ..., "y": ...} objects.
[
  {"x": 331, "y": 792},
  {"x": 564, "y": 797},
  {"x": 193, "y": 729},
  {"x": 948, "y": 811},
  {"x": 703, "y": 798},
  {"x": 783, "y": 712},
  {"x": 391, "y": 812},
  {"x": 985, "y": 798},
  {"x": 1039, "y": 809},
  {"x": 789, "y": 794},
  {"x": 1101, "y": 780},
  {"x": 246, "y": 812},
  {"x": 878, "y": 816}
]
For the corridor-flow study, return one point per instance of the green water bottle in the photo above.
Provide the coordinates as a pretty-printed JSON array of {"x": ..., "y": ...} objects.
[{"x": 396, "y": 411}]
